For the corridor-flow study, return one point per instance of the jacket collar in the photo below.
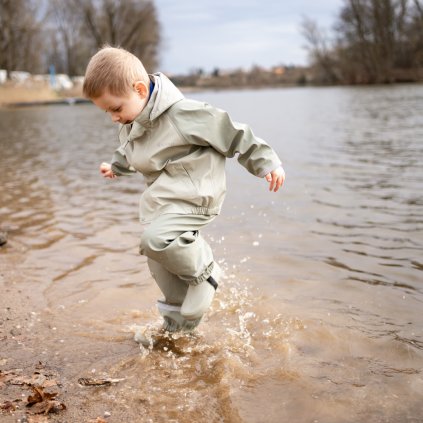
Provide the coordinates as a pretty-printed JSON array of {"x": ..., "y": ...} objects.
[{"x": 164, "y": 95}]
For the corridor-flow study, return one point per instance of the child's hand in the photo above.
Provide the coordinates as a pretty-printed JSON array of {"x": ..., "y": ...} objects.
[
  {"x": 276, "y": 178},
  {"x": 106, "y": 170}
]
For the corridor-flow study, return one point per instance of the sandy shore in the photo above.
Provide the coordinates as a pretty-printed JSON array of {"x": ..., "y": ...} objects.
[
  {"x": 12, "y": 95},
  {"x": 23, "y": 369},
  {"x": 16, "y": 94},
  {"x": 37, "y": 384}
]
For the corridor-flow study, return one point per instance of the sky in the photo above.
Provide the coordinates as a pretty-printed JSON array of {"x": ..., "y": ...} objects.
[{"x": 229, "y": 34}]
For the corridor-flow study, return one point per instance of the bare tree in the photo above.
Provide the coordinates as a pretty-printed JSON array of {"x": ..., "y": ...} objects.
[
  {"x": 321, "y": 55},
  {"x": 377, "y": 41},
  {"x": 357, "y": 41},
  {"x": 70, "y": 31},
  {"x": 20, "y": 36},
  {"x": 131, "y": 24},
  {"x": 378, "y": 38},
  {"x": 71, "y": 46},
  {"x": 415, "y": 34}
]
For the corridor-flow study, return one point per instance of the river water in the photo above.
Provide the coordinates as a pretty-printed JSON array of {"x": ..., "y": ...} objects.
[{"x": 319, "y": 318}]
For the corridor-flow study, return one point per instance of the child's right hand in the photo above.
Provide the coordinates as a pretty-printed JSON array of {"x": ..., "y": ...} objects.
[{"x": 106, "y": 170}]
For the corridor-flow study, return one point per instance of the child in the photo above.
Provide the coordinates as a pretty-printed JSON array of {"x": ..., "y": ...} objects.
[{"x": 180, "y": 146}]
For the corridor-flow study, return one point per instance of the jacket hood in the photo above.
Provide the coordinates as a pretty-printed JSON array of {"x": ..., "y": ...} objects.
[{"x": 164, "y": 95}]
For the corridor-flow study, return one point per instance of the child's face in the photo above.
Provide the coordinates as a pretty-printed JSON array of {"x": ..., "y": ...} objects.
[{"x": 122, "y": 109}]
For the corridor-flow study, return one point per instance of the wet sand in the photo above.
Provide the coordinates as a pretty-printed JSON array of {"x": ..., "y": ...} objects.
[{"x": 184, "y": 379}]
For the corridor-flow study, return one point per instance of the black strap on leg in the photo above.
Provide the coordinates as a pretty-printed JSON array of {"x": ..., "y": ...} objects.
[{"x": 212, "y": 282}]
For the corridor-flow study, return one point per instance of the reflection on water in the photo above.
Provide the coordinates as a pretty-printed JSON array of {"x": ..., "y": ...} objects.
[{"x": 319, "y": 318}]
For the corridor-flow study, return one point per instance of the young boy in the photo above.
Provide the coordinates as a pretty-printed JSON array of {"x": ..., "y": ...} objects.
[{"x": 180, "y": 146}]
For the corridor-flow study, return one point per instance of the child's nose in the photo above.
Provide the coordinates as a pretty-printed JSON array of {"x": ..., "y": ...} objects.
[{"x": 115, "y": 118}]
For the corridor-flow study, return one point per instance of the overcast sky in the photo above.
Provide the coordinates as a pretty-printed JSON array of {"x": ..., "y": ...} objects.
[{"x": 237, "y": 33}]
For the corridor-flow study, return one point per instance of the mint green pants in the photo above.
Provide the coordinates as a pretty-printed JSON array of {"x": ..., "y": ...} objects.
[{"x": 178, "y": 255}]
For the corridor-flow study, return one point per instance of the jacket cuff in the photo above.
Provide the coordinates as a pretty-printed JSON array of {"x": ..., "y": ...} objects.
[
  {"x": 269, "y": 169},
  {"x": 122, "y": 171}
]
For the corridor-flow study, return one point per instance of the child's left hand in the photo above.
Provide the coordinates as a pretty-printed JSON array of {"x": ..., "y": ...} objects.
[{"x": 276, "y": 178}]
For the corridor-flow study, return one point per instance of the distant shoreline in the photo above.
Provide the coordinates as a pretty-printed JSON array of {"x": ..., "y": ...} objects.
[
  {"x": 64, "y": 101},
  {"x": 15, "y": 95},
  {"x": 11, "y": 97},
  {"x": 27, "y": 97}
]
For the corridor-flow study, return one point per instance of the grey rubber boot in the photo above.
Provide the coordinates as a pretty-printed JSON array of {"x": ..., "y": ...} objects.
[
  {"x": 173, "y": 322},
  {"x": 199, "y": 297}
]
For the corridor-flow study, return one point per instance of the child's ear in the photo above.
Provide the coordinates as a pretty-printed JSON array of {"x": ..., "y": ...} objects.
[{"x": 141, "y": 88}]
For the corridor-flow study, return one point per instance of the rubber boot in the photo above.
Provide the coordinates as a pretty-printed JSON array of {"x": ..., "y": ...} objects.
[{"x": 173, "y": 322}]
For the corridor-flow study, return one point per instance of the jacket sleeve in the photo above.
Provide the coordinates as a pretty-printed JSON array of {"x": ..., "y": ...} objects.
[
  {"x": 206, "y": 125},
  {"x": 120, "y": 165}
]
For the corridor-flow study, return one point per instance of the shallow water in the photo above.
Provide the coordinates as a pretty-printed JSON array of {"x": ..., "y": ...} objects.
[{"x": 319, "y": 318}]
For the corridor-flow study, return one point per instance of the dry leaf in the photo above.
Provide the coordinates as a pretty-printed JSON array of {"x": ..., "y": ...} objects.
[
  {"x": 40, "y": 395},
  {"x": 43, "y": 402},
  {"x": 37, "y": 379}
]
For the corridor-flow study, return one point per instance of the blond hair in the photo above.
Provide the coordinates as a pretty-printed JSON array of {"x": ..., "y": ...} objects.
[{"x": 113, "y": 69}]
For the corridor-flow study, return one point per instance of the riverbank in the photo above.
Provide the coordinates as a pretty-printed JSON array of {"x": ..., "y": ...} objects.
[
  {"x": 23, "y": 96},
  {"x": 37, "y": 94},
  {"x": 44, "y": 374}
]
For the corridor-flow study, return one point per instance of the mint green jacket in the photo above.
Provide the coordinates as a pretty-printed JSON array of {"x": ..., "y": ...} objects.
[{"x": 180, "y": 147}]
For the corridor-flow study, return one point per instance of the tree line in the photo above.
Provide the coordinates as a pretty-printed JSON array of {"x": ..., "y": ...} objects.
[
  {"x": 373, "y": 41},
  {"x": 35, "y": 34}
]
